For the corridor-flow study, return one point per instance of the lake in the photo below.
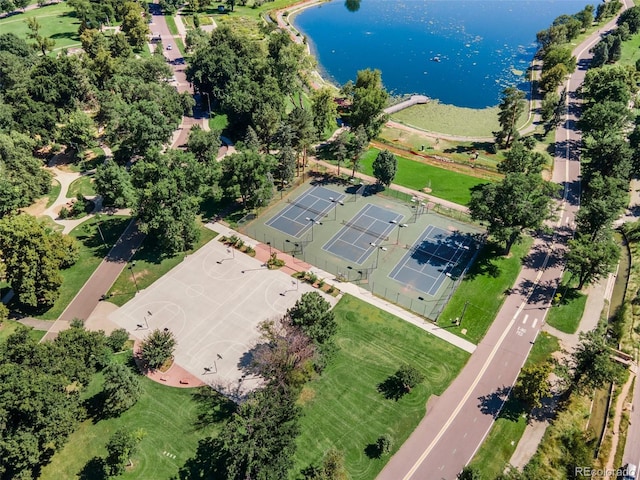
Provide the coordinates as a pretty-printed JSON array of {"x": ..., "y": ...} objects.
[{"x": 462, "y": 53}]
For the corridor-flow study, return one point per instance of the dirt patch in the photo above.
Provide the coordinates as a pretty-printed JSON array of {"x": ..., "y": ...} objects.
[
  {"x": 36, "y": 209},
  {"x": 306, "y": 395}
]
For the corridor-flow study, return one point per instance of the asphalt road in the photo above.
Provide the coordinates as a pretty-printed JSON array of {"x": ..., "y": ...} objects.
[{"x": 457, "y": 423}]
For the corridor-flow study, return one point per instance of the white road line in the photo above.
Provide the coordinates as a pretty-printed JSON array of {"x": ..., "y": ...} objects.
[
  {"x": 525, "y": 319},
  {"x": 464, "y": 398},
  {"x": 535, "y": 321}
]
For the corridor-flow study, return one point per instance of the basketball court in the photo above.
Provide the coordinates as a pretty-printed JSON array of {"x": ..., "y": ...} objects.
[{"x": 213, "y": 302}]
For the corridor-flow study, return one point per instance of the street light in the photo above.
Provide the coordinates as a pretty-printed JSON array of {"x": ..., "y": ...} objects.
[
  {"x": 378, "y": 248},
  {"x": 133, "y": 277},
  {"x": 401, "y": 225},
  {"x": 208, "y": 101}
]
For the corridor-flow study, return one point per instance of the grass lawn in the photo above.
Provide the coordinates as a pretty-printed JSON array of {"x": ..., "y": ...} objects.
[
  {"x": 484, "y": 289},
  {"x": 344, "y": 409},
  {"x": 566, "y": 315},
  {"x": 497, "y": 449},
  {"x": 438, "y": 117},
  {"x": 58, "y": 22},
  {"x": 92, "y": 251},
  {"x": 171, "y": 24},
  {"x": 167, "y": 415},
  {"x": 9, "y": 326},
  {"x": 82, "y": 185},
  {"x": 445, "y": 184},
  {"x": 53, "y": 192},
  {"x": 150, "y": 266}
]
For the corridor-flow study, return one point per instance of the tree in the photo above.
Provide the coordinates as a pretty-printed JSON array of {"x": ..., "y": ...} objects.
[
  {"x": 631, "y": 17},
  {"x": 169, "y": 189},
  {"x": 118, "y": 339},
  {"x": 384, "y": 167},
  {"x": 369, "y": 101},
  {"x": 516, "y": 203},
  {"x": 522, "y": 160},
  {"x": 591, "y": 363},
  {"x": 121, "y": 389},
  {"x": 113, "y": 183},
  {"x": 606, "y": 117},
  {"x": 614, "y": 83},
  {"x": 120, "y": 448},
  {"x": 22, "y": 178},
  {"x": 259, "y": 440},
  {"x": 157, "y": 348},
  {"x": 533, "y": 384},
  {"x": 79, "y": 131},
  {"x": 331, "y": 468},
  {"x": 408, "y": 377},
  {"x": 301, "y": 122},
  {"x": 33, "y": 256},
  {"x": 603, "y": 199},
  {"x": 591, "y": 258},
  {"x": 357, "y": 145},
  {"x": 552, "y": 77},
  {"x": 510, "y": 108},
  {"x": 340, "y": 147},
  {"x": 44, "y": 44},
  {"x": 608, "y": 153},
  {"x": 286, "y": 167},
  {"x": 324, "y": 110},
  {"x": 247, "y": 175},
  {"x": 313, "y": 315},
  {"x": 134, "y": 25},
  {"x": 469, "y": 473},
  {"x": 204, "y": 145}
]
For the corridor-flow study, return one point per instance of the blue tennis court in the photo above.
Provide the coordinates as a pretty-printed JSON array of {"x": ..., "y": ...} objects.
[
  {"x": 312, "y": 205},
  {"x": 436, "y": 255},
  {"x": 359, "y": 237}
]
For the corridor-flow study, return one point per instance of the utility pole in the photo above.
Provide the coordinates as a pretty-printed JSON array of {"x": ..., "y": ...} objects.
[{"x": 464, "y": 309}]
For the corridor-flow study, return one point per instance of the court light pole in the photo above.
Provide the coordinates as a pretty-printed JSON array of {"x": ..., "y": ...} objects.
[
  {"x": 335, "y": 206},
  {"x": 400, "y": 226},
  {"x": 133, "y": 277},
  {"x": 313, "y": 222},
  {"x": 378, "y": 248}
]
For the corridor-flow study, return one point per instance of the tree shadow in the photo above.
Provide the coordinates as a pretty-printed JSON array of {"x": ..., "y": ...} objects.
[
  {"x": 93, "y": 470},
  {"x": 392, "y": 388},
  {"x": 465, "y": 148},
  {"x": 95, "y": 407},
  {"x": 207, "y": 463},
  {"x": 537, "y": 255},
  {"x": 537, "y": 292},
  {"x": 372, "y": 451},
  {"x": 485, "y": 265},
  {"x": 213, "y": 407},
  {"x": 492, "y": 403}
]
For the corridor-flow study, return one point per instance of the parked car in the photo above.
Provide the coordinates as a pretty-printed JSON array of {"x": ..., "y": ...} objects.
[{"x": 629, "y": 472}]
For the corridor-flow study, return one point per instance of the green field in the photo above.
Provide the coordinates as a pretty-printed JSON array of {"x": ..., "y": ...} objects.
[
  {"x": 343, "y": 408},
  {"x": 483, "y": 290},
  {"x": 150, "y": 266},
  {"x": 92, "y": 251},
  {"x": 497, "y": 449},
  {"x": 8, "y": 327},
  {"x": 53, "y": 192},
  {"x": 438, "y": 117},
  {"x": 167, "y": 415},
  {"x": 58, "y": 22},
  {"x": 82, "y": 185},
  {"x": 566, "y": 315},
  {"x": 445, "y": 184}
]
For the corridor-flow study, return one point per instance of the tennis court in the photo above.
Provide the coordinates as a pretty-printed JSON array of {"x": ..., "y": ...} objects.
[
  {"x": 312, "y": 205},
  {"x": 359, "y": 237},
  {"x": 436, "y": 255}
]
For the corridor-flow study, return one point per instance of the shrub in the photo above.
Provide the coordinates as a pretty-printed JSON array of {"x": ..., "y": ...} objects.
[
  {"x": 117, "y": 340},
  {"x": 384, "y": 444},
  {"x": 158, "y": 347}
]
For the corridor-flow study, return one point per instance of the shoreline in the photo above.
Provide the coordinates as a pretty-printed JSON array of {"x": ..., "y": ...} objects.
[{"x": 286, "y": 23}]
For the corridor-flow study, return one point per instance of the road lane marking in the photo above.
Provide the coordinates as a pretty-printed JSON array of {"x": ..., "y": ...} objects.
[
  {"x": 525, "y": 319},
  {"x": 465, "y": 397},
  {"x": 535, "y": 321}
]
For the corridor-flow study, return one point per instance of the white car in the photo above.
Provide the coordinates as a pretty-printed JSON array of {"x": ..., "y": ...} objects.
[
  {"x": 169, "y": 47},
  {"x": 629, "y": 472}
]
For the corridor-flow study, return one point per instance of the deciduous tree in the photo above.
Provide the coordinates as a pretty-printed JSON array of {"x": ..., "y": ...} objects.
[
  {"x": 113, "y": 183},
  {"x": 158, "y": 347},
  {"x": 510, "y": 108},
  {"x": 517, "y": 203},
  {"x": 369, "y": 100},
  {"x": 533, "y": 384},
  {"x": 384, "y": 167},
  {"x": 590, "y": 258}
]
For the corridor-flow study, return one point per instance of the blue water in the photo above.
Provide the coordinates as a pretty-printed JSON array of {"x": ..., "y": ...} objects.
[{"x": 482, "y": 46}]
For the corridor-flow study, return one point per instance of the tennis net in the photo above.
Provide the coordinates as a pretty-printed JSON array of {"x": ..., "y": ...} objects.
[
  {"x": 305, "y": 207},
  {"x": 355, "y": 226}
]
